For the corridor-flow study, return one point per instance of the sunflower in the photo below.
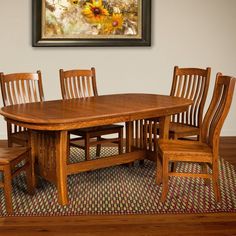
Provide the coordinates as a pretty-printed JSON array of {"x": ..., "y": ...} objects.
[
  {"x": 95, "y": 11},
  {"x": 115, "y": 22}
]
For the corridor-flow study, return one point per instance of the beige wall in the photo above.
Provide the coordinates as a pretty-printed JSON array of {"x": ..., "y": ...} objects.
[{"x": 188, "y": 33}]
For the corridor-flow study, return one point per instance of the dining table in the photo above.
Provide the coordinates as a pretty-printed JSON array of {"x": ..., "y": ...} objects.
[{"x": 50, "y": 122}]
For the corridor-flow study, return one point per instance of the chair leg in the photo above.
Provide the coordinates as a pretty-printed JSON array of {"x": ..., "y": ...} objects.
[
  {"x": 8, "y": 188},
  {"x": 87, "y": 156},
  {"x": 215, "y": 180},
  {"x": 159, "y": 169},
  {"x": 98, "y": 148},
  {"x": 30, "y": 175},
  {"x": 165, "y": 178},
  {"x": 173, "y": 166},
  {"x": 204, "y": 171},
  {"x": 9, "y": 131},
  {"x": 120, "y": 144},
  {"x": 68, "y": 148},
  {"x": 9, "y": 142}
]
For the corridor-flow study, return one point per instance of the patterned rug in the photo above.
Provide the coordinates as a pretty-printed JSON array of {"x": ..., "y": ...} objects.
[{"x": 124, "y": 190}]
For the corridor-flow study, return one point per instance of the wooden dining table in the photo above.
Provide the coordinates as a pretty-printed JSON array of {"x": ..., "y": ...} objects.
[{"x": 49, "y": 124}]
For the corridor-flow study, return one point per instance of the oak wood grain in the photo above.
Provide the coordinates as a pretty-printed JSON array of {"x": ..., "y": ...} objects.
[
  {"x": 204, "y": 151},
  {"x": 92, "y": 111}
]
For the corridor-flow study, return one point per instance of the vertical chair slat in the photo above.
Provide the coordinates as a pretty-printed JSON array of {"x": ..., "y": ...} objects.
[
  {"x": 195, "y": 99},
  {"x": 83, "y": 85},
  {"x": 34, "y": 91},
  {"x": 24, "y": 96},
  {"x": 29, "y": 91},
  {"x": 89, "y": 86},
  {"x": 70, "y": 81},
  {"x": 184, "y": 88},
  {"x": 13, "y": 92},
  {"x": 10, "y": 101},
  {"x": 150, "y": 135},
  {"x": 76, "y": 87},
  {"x": 141, "y": 133},
  {"x": 67, "y": 89},
  {"x": 79, "y": 87},
  {"x": 19, "y": 95},
  {"x": 136, "y": 133},
  {"x": 198, "y": 100}
]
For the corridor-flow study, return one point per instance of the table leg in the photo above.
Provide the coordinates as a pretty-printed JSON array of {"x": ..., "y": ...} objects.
[
  {"x": 128, "y": 126},
  {"x": 49, "y": 150},
  {"x": 33, "y": 145},
  {"x": 164, "y": 125},
  {"x": 61, "y": 166},
  {"x": 129, "y": 138}
]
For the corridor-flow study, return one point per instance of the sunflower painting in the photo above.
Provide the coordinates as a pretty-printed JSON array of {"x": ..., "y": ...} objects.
[
  {"x": 80, "y": 20},
  {"x": 91, "y": 18}
]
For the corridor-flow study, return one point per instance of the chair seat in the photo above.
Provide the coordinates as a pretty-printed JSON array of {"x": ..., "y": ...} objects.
[
  {"x": 184, "y": 150},
  {"x": 106, "y": 128},
  {"x": 181, "y": 130},
  {"x": 9, "y": 154}
]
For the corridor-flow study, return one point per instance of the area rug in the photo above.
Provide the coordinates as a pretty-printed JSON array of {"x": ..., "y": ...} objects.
[{"x": 124, "y": 190}]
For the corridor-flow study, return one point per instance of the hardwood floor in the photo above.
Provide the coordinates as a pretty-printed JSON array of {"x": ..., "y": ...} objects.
[{"x": 189, "y": 224}]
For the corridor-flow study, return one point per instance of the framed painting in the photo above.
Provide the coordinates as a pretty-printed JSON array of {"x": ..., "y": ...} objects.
[{"x": 91, "y": 23}]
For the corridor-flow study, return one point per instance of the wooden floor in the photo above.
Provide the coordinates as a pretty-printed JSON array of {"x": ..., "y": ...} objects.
[{"x": 191, "y": 224}]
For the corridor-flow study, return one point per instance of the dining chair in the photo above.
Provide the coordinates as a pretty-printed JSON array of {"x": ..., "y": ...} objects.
[
  {"x": 19, "y": 88},
  {"x": 82, "y": 84},
  {"x": 206, "y": 150},
  {"x": 12, "y": 162},
  {"x": 191, "y": 83}
]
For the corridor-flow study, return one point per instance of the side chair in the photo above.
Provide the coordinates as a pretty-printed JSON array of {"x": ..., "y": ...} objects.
[
  {"x": 82, "y": 84},
  {"x": 206, "y": 150},
  {"x": 10, "y": 158},
  {"x": 191, "y": 83},
  {"x": 19, "y": 88}
]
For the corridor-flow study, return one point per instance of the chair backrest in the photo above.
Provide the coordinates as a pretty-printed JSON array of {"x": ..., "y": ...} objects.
[
  {"x": 21, "y": 88},
  {"x": 217, "y": 111},
  {"x": 78, "y": 83},
  {"x": 191, "y": 83}
]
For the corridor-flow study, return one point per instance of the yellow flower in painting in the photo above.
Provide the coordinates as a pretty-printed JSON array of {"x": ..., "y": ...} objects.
[
  {"x": 95, "y": 11},
  {"x": 113, "y": 23},
  {"x": 117, "y": 21}
]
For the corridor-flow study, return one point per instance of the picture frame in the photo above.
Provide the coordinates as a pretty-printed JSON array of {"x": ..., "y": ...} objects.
[{"x": 91, "y": 23}]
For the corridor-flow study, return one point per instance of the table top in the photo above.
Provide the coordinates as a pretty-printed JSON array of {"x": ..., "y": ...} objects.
[{"x": 85, "y": 112}]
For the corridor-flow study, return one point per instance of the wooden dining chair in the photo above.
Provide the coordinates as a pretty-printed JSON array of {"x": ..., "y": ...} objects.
[
  {"x": 20, "y": 88},
  {"x": 191, "y": 83},
  {"x": 82, "y": 84},
  {"x": 206, "y": 150},
  {"x": 12, "y": 162}
]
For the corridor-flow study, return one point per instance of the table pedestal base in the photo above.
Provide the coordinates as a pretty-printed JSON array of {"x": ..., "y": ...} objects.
[{"x": 50, "y": 151}]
